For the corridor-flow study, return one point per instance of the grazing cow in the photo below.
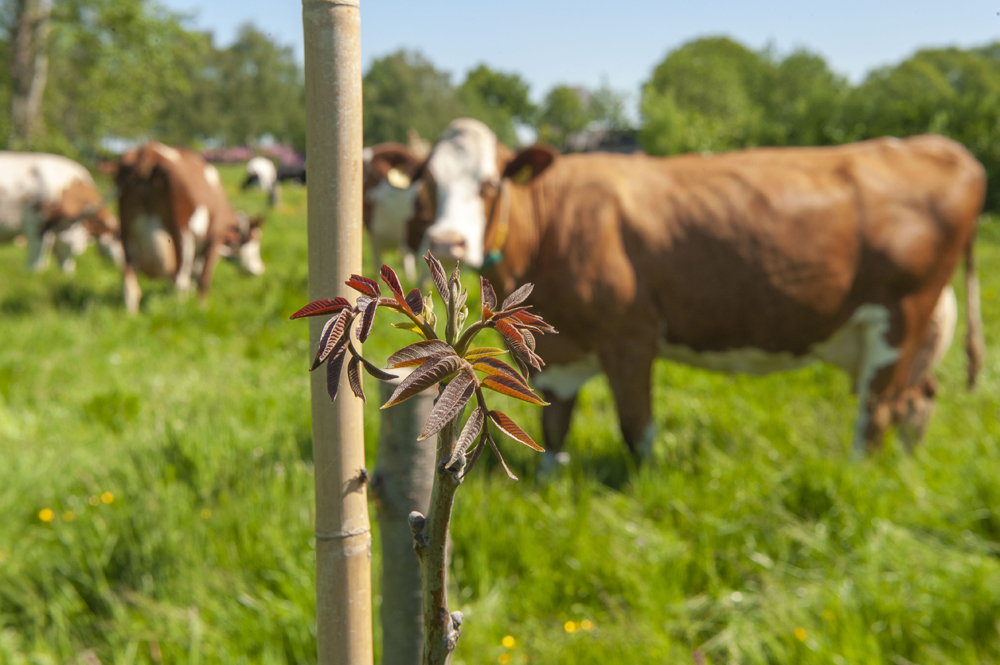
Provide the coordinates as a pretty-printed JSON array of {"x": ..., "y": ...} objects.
[
  {"x": 177, "y": 221},
  {"x": 752, "y": 261},
  {"x": 261, "y": 172},
  {"x": 389, "y": 202},
  {"x": 53, "y": 202}
]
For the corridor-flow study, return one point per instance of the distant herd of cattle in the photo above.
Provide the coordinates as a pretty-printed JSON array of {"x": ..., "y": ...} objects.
[{"x": 753, "y": 261}]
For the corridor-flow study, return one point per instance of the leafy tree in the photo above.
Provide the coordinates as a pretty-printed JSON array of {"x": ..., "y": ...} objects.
[
  {"x": 404, "y": 91},
  {"x": 259, "y": 90},
  {"x": 716, "y": 94},
  {"x": 951, "y": 91},
  {"x": 112, "y": 64},
  {"x": 563, "y": 112},
  {"x": 607, "y": 107},
  {"x": 500, "y": 100}
]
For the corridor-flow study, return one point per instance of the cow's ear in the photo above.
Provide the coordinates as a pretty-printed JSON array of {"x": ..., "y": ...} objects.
[{"x": 529, "y": 163}]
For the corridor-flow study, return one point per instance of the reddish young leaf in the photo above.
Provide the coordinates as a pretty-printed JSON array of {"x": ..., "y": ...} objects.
[
  {"x": 473, "y": 426},
  {"x": 513, "y": 430},
  {"x": 496, "y": 451},
  {"x": 529, "y": 339},
  {"x": 512, "y": 388},
  {"x": 369, "y": 287},
  {"x": 532, "y": 321},
  {"x": 438, "y": 276},
  {"x": 333, "y": 369},
  {"x": 456, "y": 276},
  {"x": 321, "y": 307},
  {"x": 483, "y": 352},
  {"x": 354, "y": 378},
  {"x": 424, "y": 377},
  {"x": 508, "y": 313},
  {"x": 452, "y": 400},
  {"x": 389, "y": 277},
  {"x": 333, "y": 333},
  {"x": 518, "y": 296},
  {"x": 367, "y": 319},
  {"x": 415, "y": 300},
  {"x": 515, "y": 341},
  {"x": 488, "y": 296},
  {"x": 473, "y": 456},
  {"x": 417, "y": 353},
  {"x": 375, "y": 371},
  {"x": 492, "y": 366}
]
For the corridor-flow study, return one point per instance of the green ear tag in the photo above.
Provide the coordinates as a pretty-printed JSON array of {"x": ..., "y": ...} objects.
[{"x": 494, "y": 257}]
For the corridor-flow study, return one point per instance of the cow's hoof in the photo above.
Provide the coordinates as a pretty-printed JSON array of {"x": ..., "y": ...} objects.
[{"x": 552, "y": 463}]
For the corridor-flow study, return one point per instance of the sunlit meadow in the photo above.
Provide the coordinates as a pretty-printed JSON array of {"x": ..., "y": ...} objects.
[{"x": 156, "y": 497}]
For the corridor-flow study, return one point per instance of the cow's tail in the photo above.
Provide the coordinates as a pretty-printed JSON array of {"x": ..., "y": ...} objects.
[{"x": 975, "y": 348}]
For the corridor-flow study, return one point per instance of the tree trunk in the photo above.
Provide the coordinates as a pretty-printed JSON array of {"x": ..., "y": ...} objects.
[
  {"x": 29, "y": 69},
  {"x": 401, "y": 483},
  {"x": 430, "y": 540}
]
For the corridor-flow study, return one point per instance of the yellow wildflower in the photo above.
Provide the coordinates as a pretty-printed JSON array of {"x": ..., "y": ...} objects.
[
  {"x": 570, "y": 626},
  {"x": 509, "y": 642},
  {"x": 46, "y": 514},
  {"x": 587, "y": 625},
  {"x": 800, "y": 634},
  {"x": 504, "y": 659},
  {"x": 94, "y": 500},
  {"x": 205, "y": 513},
  {"x": 69, "y": 516},
  {"x": 107, "y": 497}
]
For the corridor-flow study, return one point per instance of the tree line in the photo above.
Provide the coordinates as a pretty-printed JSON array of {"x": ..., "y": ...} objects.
[{"x": 131, "y": 69}]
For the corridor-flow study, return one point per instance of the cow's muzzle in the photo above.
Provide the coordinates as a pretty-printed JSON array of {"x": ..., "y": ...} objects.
[{"x": 448, "y": 245}]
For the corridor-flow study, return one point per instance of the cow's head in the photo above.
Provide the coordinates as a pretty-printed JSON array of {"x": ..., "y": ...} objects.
[
  {"x": 463, "y": 183},
  {"x": 242, "y": 244},
  {"x": 389, "y": 192}
]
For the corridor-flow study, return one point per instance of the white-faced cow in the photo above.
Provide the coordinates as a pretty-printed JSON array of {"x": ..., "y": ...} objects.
[
  {"x": 752, "y": 261},
  {"x": 53, "y": 203},
  {"x": 177, "y": 221},
  {"x": 389, "y": 202}
]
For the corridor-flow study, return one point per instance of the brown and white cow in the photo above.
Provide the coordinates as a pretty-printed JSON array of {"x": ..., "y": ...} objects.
[
  {"x": 52, "y": 201},
  {"x": 752, "y": 261},
  {"x": 389, "y": 202},
  {"x": 177, "y": 221}
]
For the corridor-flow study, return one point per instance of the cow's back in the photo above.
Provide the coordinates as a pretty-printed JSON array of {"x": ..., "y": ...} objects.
[
  {"x": 34, "y": 179},
  {"x": 770, "y": 248}
]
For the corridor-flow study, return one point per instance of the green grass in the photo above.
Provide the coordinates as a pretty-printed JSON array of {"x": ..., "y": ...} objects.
[{"x": 753, "y": 536}]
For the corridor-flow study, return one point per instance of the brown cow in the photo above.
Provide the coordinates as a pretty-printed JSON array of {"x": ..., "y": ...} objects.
[
  {"x": 177, "y": 221},
  {"x": 52, "y": 201},
  {"x": 752, "y": 261}
]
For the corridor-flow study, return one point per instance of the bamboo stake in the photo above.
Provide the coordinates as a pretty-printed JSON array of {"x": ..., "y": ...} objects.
[{"x": 333, "y": 144}]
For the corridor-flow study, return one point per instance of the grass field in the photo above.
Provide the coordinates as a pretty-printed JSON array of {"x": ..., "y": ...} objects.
[{"x": 156, "y": 498}]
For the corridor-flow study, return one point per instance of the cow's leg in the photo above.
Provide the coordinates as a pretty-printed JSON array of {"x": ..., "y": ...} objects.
[
  {"x": 871, "y": 376},
  {"x": 629, "y": 366},
  {"x": 64, "y": 256},
  {"x": 40, "y": 242},
  {"x": 133, "y": 293},
  {"x": 409, "y": 264},
  {"x": 915, "y": 411},
  {"x": 211, "y": 258},
  {"x": 556, "y": 418},
  {"x": 185, "y": 265},
  {"x": 916, "y": 405}
]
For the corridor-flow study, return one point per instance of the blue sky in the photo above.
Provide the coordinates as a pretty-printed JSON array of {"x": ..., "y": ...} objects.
[{"x": 583, "y": 42}]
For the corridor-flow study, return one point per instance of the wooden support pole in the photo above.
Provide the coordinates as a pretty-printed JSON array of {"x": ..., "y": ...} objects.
[{"x": 333, "y": 147}]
